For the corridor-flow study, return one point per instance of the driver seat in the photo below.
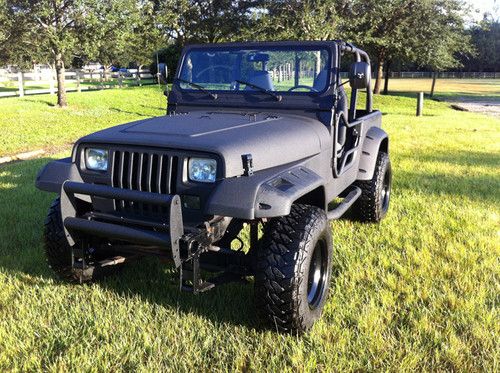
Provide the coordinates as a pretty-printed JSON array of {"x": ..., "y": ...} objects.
[
  {"x": 320, "y": 80},
  {"x": 261, "y": 79}
]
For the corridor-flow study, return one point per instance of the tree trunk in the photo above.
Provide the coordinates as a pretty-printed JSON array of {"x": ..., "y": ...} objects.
[
  {"x": 434, "y": 77},
  {"x": 380, "y": 73},
  {"x": 61, "y": 90},
  {"x": 386, "y": 80}
]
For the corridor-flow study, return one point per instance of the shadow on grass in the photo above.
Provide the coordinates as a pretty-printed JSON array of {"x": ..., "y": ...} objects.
[
  {"x": 483, "y": 187},
  {"x": 469, "y": 97},
  {"x": 466, "y": 158}
]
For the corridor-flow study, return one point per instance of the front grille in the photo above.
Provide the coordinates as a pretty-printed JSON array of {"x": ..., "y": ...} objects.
[{"x": 149, "y": 171}]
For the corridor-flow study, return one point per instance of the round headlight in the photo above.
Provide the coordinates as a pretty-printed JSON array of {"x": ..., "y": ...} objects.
[
  {"x": 96, "y": 159},
  {"x": 202, "y": 170}
]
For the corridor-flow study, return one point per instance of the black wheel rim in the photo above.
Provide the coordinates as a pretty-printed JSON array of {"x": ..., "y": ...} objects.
[
  {"x": 318, "y": 270},
  {"x": 386, "y": 191}
]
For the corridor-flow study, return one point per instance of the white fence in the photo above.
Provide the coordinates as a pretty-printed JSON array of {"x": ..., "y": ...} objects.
[
  {"x": 286, "y": 72},
  {"x": 440, "y": 75},
  {"x": 38, "y": 82}
]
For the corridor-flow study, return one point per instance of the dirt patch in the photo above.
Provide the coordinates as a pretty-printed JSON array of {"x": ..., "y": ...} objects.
[{"x": 483, "y": 107}]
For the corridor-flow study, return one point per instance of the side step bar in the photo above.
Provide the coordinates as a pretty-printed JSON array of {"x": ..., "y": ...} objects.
[{"x": 342, "y": 208}]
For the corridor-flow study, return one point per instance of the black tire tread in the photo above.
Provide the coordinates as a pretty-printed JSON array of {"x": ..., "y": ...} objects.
[
  {"x": 367, "y": 207},
  {"x": 58, "y": 251},
  {"x": 279, "y": 262}
]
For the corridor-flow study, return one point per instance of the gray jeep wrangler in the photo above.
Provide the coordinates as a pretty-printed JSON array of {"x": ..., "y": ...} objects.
[{"x": 259, "y": 138}]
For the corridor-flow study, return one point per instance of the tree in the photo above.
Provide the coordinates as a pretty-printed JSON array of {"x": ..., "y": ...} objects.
[
  {"x": 381, "y": 26},
  {"x": 55, "y": 31},
  {"x": 296, "y": 20},
  {"x": 485, "y": 37},
  {"x": 209, "y": 21},
  {"x": 149, "y": 24},
  {"x": 439, "y": 38},
  {"x": 4, "y": 27},
  {"x": 13, "y": 49},
  {"x": 51, "y": 28},
  {"x": 427, "y": 32}
]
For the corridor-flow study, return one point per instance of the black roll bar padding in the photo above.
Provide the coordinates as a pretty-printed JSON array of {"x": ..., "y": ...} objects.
[
  {"x": 71, "y": 221},
  {"x": 354, "y": 95}
]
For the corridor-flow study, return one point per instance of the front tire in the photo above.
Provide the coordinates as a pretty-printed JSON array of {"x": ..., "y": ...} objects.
[
  {"x": 373, "y": 204},
  {"x": 294, "y": 269},
  {"x": 58, "y": 251}
]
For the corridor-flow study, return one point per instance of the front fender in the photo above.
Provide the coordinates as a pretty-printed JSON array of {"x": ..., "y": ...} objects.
[
  {"x": 265, "y": 194},
  {"x": 52, "y": 176},
  {"x": 376, "y": 139}
]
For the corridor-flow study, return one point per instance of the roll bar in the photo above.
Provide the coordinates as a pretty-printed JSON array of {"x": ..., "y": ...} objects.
[{"x": 360, "y": 55}]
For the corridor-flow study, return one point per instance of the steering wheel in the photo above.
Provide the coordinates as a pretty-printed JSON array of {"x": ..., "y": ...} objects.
[
  {"x": 311, "y": 89},
  {"x": 213, "y": 67}
]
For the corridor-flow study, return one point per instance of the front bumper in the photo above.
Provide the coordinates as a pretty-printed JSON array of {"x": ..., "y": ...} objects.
[{"x": 79, "y": 224}]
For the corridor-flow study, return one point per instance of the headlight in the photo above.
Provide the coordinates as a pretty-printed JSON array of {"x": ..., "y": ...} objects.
[
  {"x": 96, "y": 159},
  {"x": 202, "y": 170}
]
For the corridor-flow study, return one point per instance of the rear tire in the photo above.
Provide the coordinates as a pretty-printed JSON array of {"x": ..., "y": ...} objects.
[
  {"x": 373, "y": 204},
  {"x": 58, "y": 251},
  {"x": 294, "y": 269}
]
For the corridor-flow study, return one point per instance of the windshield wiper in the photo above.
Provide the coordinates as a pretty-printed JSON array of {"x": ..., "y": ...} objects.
[
  {"x": 198, "y": 87},
  {"x": 277, "y": 97}
]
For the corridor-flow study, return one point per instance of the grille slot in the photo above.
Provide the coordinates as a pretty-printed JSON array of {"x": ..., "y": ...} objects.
[{"x": 142, "y": 171}]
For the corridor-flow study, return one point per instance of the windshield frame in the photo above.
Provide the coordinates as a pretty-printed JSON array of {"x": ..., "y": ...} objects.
[{"x": 264, "y": 46}]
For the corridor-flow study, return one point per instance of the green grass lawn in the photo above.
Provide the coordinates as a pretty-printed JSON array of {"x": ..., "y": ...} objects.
[
  {"x": 418, "y": 292},
  {"x": 34, "y": 122}
]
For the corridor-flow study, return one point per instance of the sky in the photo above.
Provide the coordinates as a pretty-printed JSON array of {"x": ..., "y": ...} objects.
[{"x": 491, "y": 6}]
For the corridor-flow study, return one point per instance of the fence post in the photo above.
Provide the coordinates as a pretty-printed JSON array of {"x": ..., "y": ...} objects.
[
  {"x": 20, "y": 81},
  {"x": 78, "y": 88},
  {"x": 420, "y": 103},
  {"x": 52, "y": 88}
]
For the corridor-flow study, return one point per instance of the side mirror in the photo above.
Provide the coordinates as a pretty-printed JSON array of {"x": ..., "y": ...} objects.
[
  {"x": 360, "y": 75},
  {"x": 163, "y": 72}
]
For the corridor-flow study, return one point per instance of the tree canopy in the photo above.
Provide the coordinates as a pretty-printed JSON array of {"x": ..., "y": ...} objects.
[{"x": 430, "y": 34}]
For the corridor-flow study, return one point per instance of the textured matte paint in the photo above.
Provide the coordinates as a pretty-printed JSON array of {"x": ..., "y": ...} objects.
[
  {"x": 371, "y": 146},
  {"x": 280, "y": 136},
  {"x": 272, "y": 140},
  {"x": 51, "y": 177}
]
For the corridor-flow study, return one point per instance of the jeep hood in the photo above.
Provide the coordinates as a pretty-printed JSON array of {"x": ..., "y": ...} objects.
[{"x": 272, "y": 140}]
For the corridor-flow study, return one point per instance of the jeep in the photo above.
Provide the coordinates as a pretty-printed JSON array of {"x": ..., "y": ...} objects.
[{"x": 259, "y": 139}]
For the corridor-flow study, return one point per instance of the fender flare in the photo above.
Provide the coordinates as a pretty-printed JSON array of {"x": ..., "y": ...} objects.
[
  {"x": 265, "y": 194},
  {"x": 52, "y": 176},
  {"x": 376, "y": 140}
]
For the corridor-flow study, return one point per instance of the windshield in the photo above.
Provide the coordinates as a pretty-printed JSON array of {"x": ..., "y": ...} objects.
[{"x": 290, "y": 69}]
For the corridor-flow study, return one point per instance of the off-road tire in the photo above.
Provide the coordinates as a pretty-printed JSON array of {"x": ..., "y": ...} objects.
[
  {"x": 58, "y": 251},
  {"x": 282, "y": 269},
  {"x": 373, "y": 204}
]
